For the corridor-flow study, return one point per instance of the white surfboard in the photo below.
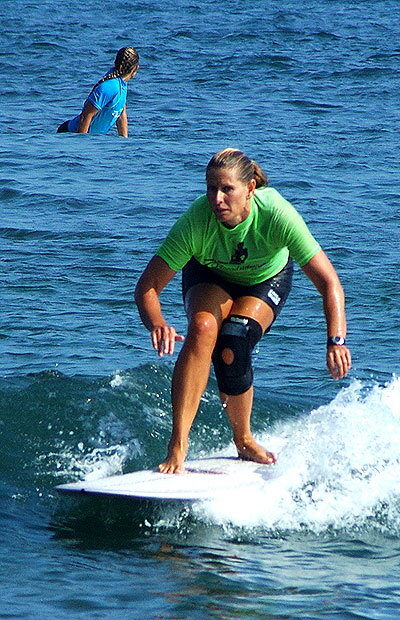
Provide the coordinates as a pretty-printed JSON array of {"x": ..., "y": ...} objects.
[{"x": 204, "y": 479}]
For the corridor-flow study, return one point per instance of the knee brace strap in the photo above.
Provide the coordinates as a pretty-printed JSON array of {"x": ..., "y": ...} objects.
[{"x": 237, "y": 337}]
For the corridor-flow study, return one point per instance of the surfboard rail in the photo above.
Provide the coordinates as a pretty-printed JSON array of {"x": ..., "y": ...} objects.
[{"x": 204, "y": 480}]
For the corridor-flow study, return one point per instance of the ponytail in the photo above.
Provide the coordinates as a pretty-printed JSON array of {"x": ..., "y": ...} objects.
[{"x": 259, "y": 175}]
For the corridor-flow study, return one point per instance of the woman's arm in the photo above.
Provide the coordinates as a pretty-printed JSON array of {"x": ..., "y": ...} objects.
[
  {"x": 122, "y": 123},
  {"x": 147, "y": 296},
  {"x": 323, "y": 275},
  {"x": 88, "y": 112}
]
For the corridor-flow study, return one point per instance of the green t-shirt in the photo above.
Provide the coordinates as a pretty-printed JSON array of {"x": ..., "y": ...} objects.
[{"x": 256, "y": 249}]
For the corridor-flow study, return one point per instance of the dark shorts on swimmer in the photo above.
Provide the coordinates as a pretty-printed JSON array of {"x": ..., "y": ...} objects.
[
  {"x": 63, "y": 128},
  {"x": 274, "y": 291}
]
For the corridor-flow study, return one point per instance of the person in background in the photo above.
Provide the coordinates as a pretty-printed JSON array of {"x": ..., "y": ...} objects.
[
  {"x": 106, "y": 103},
  {"x": 236, "y": 246}
]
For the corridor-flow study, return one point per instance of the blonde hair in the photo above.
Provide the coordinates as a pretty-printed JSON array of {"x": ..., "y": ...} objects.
[
  {"x": 126, "y": 60},
  {"x": 247, "y": 169}
]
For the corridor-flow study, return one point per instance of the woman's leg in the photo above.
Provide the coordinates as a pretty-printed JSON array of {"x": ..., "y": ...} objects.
[
  {"x": 207, "y": 306},
  {"x": 239, "y": 407}
]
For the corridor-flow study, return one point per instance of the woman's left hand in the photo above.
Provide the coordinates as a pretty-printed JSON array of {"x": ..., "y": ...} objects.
[{"x": 338, "y": 359}]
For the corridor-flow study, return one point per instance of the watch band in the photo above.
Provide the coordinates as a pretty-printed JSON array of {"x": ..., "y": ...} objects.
[{"x": 335, "y": 341}]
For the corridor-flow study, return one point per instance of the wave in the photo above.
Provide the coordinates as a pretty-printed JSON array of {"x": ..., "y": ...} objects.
[
  {"x": 58, "y": 428},
  {"x": 338, "y": 464},
  {"x": 338, "y": 468}
]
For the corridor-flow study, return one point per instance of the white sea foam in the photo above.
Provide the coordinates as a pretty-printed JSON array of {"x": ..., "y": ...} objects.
[
  {"x": 90, "y": 465},
  {"x": 337, "y": 467}
]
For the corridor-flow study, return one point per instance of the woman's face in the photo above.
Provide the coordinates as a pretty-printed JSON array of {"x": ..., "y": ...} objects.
[{"x": 228, "y": 196}]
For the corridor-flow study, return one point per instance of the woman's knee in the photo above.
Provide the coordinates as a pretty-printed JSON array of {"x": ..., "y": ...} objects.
[{"x": 203, "y": 326}]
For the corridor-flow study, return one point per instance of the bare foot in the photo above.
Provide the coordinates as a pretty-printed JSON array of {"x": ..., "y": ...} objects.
[
  {"x": 174, "y": 463},
  {"x": 252, "y": 451}
]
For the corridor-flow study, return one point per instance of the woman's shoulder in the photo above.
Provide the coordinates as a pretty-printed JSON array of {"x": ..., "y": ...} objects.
[
  {"x": 273, "y": 207},
  {"x": 269, "y": 199},
  {"x": 111, "y": 86},
  {"x": 269, "y": 195}
]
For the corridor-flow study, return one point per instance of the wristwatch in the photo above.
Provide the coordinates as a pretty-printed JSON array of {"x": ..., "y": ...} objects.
[{"x": 336, "y": 341}]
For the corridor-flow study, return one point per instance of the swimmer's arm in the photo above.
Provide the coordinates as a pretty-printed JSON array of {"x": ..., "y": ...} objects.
[
  {"x": 122, "y": 123},
  {"x": 88, "y": 112}
]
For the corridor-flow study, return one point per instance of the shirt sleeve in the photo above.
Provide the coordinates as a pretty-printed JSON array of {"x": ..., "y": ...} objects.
[
  {"x": 177, "y": 248},
  {"x": 290, "y": 230}
]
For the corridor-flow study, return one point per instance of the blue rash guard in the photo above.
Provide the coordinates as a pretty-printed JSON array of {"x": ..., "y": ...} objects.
[{"x": 109, "y": 98}]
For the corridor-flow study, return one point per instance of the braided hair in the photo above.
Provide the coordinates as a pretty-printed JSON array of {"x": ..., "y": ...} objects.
[
  {"x": 247, "y": 169},
  {"x": 126, "y": 60}
]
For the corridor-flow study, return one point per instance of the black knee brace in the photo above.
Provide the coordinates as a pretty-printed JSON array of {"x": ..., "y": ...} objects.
[{"x": 239, "y": 334}]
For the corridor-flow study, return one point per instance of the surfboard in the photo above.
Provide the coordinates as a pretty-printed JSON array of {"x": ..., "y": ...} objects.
[{"x": 204, "y": 480}]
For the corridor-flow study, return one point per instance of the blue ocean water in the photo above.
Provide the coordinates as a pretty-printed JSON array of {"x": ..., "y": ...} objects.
[{"x": 311, "y": 92}]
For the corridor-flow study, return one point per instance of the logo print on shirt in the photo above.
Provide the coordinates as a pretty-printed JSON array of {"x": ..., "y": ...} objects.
[{"x": 240, "y": 254}]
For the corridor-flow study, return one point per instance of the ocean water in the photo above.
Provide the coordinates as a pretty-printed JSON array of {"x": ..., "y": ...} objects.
[{"x": 311, "y": 91}]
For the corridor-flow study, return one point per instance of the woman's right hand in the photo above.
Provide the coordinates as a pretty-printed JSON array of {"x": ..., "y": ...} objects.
[{"x": 164, "y": 338}]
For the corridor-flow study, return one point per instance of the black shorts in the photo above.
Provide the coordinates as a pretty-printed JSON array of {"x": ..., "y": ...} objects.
[
  {"x": 273, "y": 291},
  {"x": 63, "y": 128}
]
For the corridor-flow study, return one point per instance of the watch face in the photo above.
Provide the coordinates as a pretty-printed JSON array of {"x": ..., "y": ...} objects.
[{"x": 338, "y": 340}]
